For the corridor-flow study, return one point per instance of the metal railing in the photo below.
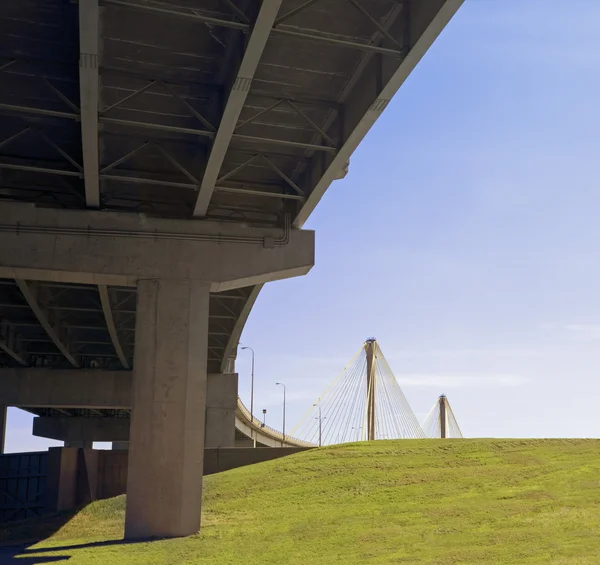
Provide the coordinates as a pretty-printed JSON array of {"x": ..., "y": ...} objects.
[{"x": 267, "y": 430}]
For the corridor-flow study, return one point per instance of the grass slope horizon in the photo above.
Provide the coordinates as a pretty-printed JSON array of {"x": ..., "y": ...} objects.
[{"x": 428, "y": 502}]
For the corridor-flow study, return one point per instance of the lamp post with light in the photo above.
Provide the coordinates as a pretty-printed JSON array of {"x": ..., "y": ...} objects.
[
  {"x": 252, "y": 395},
  {"x": 281, "y": 384},
  {"x": 320, "y": 419}
]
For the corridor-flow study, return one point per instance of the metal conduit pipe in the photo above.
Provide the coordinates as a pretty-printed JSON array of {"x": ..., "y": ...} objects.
[{"x": 95, "y": 232}]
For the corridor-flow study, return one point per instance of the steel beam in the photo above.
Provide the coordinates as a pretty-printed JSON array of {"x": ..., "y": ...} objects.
[
  {"x": 10, "y": 343},
  {"x": 230, "y": 352},
  {"x": 237, "y": 97},
  {"x": 29, "y": 293},
  {"x": 169, "y": 128},
  {"x": 150, "y": 181},
  {"x": 89, "y": 20},
  {"x": 426, "y": 22},
  {"x": 262, "y": 193},
  {"x": 166, "y": 10},
  {"x": 302, "y": 34},
  {"x": 38, "y": 111},
  {"x": 110, "y": 324}
]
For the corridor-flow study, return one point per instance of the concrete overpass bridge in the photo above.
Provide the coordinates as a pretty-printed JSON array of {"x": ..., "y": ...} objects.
[
  {"x": 99, "y": 407},
  {"x": 157, "y": 163}
]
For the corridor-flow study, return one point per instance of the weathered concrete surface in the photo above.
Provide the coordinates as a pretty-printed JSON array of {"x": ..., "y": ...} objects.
[
  {"x": 166, "y": 446},
  {"x": 83, "y": 247},
  {"x": 65, "y": 388},
  {"x": 73, "y": 429},
  {"x": 61, "y": 484},
  {"x": 223, "y": 459},
  {"x": 221, "y": 402}
]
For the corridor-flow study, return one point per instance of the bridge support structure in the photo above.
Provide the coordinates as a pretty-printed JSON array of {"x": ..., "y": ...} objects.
[
  {"x": 164, "y": 484},
  {"x": 221, "y": 403},
  {"x": 441, "y": 423},
  {"x": 175, "y": 266},
  {"x": 371, "y": 390},
  {"x": 443, "y": 417},
  {"x": 364, "y": 402}
]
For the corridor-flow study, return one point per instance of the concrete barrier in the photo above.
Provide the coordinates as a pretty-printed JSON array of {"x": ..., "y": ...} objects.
[{"x": 77, "y": 476}]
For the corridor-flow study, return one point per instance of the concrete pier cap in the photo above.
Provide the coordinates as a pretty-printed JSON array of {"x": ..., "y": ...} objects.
[
  {"x": 174, "y": 265},
  {"x": 114, "y": 248}
]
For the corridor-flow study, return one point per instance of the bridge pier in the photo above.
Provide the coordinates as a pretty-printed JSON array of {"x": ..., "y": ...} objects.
[
  {"x": 221, "y": 403},
  {"x": 443, "y": 419},
  {"x": 175, "y": 266},
  {"x": 166, "y": 443}
]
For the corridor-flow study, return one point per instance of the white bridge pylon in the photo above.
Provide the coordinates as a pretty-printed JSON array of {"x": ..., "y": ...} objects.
[
  {"x": 364, "y": 402},
  {"x": 441, "y": 422}
]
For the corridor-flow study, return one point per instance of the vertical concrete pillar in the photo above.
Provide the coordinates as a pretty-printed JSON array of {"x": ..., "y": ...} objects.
[
  {"x": 443, "y": 420},
  {"x": 371, "y": 385},
  {"x": 120, "y": 445},
  {"x": 166, "y": 442},
  {"x": 3, "y": 411},
  {"x": 83, "y": 444},
  {"x": 61, "y": 485},
  {"x": 221, "y": 402}
]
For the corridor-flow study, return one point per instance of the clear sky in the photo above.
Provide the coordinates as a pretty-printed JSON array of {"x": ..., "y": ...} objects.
[{"x": 465, "y": 238}]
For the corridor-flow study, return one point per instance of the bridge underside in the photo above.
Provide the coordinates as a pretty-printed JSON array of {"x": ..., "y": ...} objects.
[{"x": 157, "y": 162}]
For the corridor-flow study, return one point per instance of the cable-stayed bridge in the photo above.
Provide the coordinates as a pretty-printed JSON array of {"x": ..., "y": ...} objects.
[
  {"x": 364, "y": 402},
  {"x": 441, "y": 422}
]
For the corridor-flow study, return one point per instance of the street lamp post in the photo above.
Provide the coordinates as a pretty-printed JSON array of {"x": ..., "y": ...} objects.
[
  {"x": 319, "y": 423},
  {"x": 252, "y": 395},
  {"x": 281, "y": 384}
]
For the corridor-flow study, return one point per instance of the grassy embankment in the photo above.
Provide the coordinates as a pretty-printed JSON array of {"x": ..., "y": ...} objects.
[{"x": 475, "y": 502}]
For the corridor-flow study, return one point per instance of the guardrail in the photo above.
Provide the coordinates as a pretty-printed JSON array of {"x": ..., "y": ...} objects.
[{"x": 272, "y": 433}]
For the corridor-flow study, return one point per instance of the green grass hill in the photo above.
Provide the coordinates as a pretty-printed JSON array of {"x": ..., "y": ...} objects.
[{"x": 426, "y": 502}]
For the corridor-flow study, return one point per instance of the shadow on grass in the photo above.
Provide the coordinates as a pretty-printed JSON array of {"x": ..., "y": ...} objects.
[
  {"x": 22, "y": 555},
  {"x": 15, "y": 555},
  {"x": 84, "y": 545},
  {"x": 16, "y": 539}
]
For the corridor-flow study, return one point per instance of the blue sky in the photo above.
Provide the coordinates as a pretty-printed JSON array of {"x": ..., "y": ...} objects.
[{"x": 464, "y": 238}]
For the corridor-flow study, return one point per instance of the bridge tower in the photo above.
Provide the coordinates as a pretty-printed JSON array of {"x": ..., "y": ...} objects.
[
  {"x": 371, "y": 384},
  {"x": 364, "y": 402},
  {"x": 442, "y": 402},
  {"x": 441, "y": 422}
]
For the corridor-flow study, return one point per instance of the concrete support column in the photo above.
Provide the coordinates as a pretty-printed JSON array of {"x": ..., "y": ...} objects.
[
  {"x": 3, "y": 411},
  {"x": 221, "y": 402},
  {"x": 61, "y": 486},
  {"x": 120, "y": 445},
  {"x": 166, "y": 445},
  {"x": 83, "y": 444}
]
